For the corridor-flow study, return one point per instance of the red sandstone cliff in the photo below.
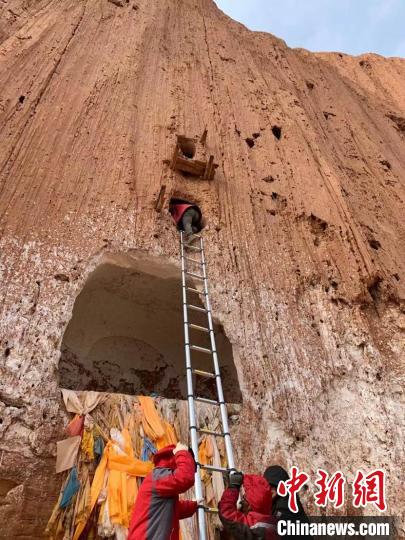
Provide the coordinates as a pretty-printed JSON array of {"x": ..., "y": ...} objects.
[{"x": 305, "y": 235}]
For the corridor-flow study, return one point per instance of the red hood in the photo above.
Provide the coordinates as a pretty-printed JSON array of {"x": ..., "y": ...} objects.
[
  {"x": 165, "y": 458},
  {"x": 257, "y": 493}
]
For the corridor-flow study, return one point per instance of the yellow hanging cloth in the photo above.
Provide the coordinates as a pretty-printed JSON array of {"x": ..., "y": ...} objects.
[
  {"x": 84, "y": 501},
  {"x": 117, "y": 498},
  {"x": 53, "y": 524},
  {"x": 205, "y": 454},
  {"x": 217, "y": 478},
  {"x": 118, "y": 488},
  {"x": 152, "y": 423},
  {"x": 132, "y": 493},
  {"x": 115, "y": 460},
  {"x": 168, "y": 438},
  {"x": 87, "y": 445}
]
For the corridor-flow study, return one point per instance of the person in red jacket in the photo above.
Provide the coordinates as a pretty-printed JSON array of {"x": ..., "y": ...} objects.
[
  {"x": 157, "y": 509},
  {"x": 186, "y": 215},
  {"x": 255, "y": 521}
]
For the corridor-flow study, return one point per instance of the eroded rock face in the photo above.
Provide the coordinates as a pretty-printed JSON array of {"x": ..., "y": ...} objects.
[{"x": 305, "y": 230}]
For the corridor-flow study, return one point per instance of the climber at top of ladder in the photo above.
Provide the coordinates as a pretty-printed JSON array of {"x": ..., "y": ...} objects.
[{"x": 187, "y": 216}]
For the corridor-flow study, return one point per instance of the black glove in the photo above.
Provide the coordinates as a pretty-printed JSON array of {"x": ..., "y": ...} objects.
[
  {"x": 235, "y": 479},
  {"x": 193, "y": 456}
]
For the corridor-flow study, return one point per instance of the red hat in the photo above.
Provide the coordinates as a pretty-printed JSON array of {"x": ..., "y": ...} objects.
[
  {"x": 165, "y": 458},
  {"x": 257, "y": 493}
]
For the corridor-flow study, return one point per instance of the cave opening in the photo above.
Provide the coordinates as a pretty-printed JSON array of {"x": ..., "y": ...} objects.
[
  {"x": 126, "y": 334},
  {"x": 276, "y": 130}
]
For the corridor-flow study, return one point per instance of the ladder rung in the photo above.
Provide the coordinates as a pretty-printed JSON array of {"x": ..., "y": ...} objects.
[
  {"x": 201, "y": 373},
  {"x": 211, "y": 468},
  {"x": 196, "y": 308},
  {"x": 210, "y": 432},
  {"x": 211, "y": 510},
  {"x": 195, "y": 275},
  {"x": 191, "y": 237},
  {"x": 194, "y": 248},
  {"x": 196, "y": 327},
  {"x": 193, "y": 260},
  {"x": 201, "y": 349},
  {"x": 191, "y": 289},
  {"x": 206, "y": 400}
]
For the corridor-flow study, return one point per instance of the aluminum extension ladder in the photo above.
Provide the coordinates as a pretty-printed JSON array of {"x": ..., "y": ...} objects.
[{"x": 194, "y": 245}]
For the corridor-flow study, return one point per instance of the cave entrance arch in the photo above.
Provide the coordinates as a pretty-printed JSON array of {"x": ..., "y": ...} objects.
[{"x": 126, "y": 333}]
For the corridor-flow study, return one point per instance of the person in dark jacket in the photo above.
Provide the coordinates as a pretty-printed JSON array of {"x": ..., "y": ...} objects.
[
  {"x": 279, "y": 508},
  {"x": 186, "y": 215},
  {"x": 255, "y": 521},
  {"x": 157, "y": 509}
]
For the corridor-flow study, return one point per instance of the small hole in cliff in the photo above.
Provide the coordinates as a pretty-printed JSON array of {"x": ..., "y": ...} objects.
[
  {"x": 256, "y": 135},
  {"x": 126, "y": 333},
  {"x": 378, "y": 376},
  {"x": 7, "y": 351},
  {"x": 21, "y": 99},
  {"x": 61, "y": 277},
  {"x": 276, "y": 130},
  {"x": 317, "y": 225},
  {"x": 310, "y": 85},
  {"x": 187, "y": 146},
  {"x": 386, "y": 163},
  {"x": 268, "y": 179},
  {"x": 375, "y": 244},
  {"x": 375, "y": 288},
  {"x": 398, "y": 121},
  {"x": 396, "y": 276},
  {"x": 250, "y": 142}
]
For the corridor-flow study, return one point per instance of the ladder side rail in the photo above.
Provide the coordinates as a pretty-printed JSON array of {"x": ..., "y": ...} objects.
[
  {"x": 223, "y": 409},
  {"x": 190, "y": 400}
]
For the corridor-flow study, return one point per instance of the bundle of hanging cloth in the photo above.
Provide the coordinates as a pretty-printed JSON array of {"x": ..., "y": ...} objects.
[{"x": 108, "y": 451}]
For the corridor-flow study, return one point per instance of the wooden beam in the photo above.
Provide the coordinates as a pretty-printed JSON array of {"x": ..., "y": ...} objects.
[
  {"x": 160, "y": 199},
  {"x": 174, "y": 158},
  {"x": 193, "y": 167},
  {"x": 208, "y": 168}
]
